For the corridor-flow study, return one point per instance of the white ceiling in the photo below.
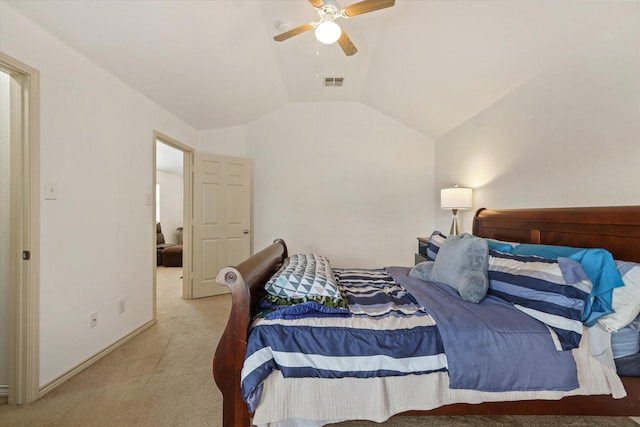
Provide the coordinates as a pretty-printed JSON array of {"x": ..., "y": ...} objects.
[
  {"x": 431, "y": 64},
  {"x": 169, "y": 159}
]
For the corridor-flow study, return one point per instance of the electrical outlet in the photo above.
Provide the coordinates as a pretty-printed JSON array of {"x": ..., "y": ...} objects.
[
  {"x": 122, "y": 306},
  {"x": 93, "y": 320}
]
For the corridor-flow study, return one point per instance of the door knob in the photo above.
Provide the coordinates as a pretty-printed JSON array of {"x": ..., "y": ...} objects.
[{"x": 246, "y": 231}]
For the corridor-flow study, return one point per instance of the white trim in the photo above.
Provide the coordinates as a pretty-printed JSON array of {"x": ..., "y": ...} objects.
[
  {"x": 93, "y": 359},
  {"x": 24, "y": 332}
]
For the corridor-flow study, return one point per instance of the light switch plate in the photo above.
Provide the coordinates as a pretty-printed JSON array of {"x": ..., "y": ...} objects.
[{"x": 51, "y": 191}]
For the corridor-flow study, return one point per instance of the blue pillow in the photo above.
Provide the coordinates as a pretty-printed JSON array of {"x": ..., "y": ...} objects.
[
  {"x": 545, "y": 251},
  {"x": 599, "y": 266},
  {"x": 552, "y": 291},
  {"x": 497, "y": 245}
]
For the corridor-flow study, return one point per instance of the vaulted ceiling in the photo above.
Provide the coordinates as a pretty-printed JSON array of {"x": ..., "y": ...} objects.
[{"x": 430, "y": 64}]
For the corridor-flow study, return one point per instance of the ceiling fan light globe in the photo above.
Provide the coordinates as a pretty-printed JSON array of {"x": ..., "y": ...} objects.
[{"x": 328, "y": 32}]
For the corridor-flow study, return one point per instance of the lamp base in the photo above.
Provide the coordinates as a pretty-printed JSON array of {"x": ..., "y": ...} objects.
[{"x": 454, "y": 224}]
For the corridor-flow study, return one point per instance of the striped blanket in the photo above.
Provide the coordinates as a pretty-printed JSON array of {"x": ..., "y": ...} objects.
[{"x": 387, "y": 334}]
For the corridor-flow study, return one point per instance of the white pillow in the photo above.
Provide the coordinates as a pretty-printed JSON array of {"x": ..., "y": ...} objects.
[{"x": 626, "y": 299}]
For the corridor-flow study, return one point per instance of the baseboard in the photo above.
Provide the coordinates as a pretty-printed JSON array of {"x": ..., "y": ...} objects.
[{"x": 84, "y": 365}]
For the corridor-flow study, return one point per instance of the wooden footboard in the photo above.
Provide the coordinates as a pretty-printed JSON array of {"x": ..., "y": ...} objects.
[{"x": 246, "y": 282}]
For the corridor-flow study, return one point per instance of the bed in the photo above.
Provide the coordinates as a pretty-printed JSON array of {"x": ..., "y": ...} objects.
[{"x": 616, "y": 229}]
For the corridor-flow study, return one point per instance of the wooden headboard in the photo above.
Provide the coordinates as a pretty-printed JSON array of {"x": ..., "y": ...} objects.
[{"x": 616, "y": 229}]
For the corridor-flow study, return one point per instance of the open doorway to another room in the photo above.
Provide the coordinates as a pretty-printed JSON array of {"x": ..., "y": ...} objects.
[{"x": 172, "y": 255}]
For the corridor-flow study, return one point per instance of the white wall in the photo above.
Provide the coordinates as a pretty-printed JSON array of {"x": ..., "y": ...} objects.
[
  {"x": 5, "y": 169},
  {"x": 343, "y": 180},
  {"x": 231, "y": 141},
  {"x": 96, "y": 239},
  {"x": 171, "y": 204},
  {"x": 570, "y": 137}
]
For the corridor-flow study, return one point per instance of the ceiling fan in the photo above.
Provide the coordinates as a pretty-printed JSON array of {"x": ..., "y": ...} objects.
[{"x": 326, "y": 30}]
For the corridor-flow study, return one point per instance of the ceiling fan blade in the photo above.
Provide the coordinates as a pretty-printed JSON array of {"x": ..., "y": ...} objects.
[
  {"x": 367, "y": 6},
  {"x": 316, "y": 3},
  {"x": 294, "y": 32},
  {"x": 346, "y": 44}
]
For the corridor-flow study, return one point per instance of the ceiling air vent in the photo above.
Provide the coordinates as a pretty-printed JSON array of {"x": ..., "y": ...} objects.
[{"x": 333, "y": 81}]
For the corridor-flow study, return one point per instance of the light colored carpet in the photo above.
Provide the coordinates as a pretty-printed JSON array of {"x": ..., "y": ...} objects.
[{"x": 163, "y": 377}]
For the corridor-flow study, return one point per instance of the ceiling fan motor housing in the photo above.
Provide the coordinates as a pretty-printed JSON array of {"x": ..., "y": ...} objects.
[
  {"x": 329, "y": 11},
  {"x": 330, "y": 8}
]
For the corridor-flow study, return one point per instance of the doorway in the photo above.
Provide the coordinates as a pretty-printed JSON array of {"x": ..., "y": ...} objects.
[
  {"x": 19, "y": 231},
  {"x": 172, "y": 211}
]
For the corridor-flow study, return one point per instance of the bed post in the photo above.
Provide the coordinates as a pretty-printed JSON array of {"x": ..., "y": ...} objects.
[
  {"x": 227, "y": 362},
  {"x": 246, "y": 282}
]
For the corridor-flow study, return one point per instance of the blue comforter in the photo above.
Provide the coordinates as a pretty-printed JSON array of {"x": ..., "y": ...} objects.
[
  {"x": 491, "y": 346},
  {"x": 389, "y": 333}
]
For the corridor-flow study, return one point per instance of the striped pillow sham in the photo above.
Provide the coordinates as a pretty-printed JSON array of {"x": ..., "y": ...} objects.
[
  {"x": 437, "y": 238},
  {"x": 433, "y": 245},
  {"x": 552, "y": 291}
]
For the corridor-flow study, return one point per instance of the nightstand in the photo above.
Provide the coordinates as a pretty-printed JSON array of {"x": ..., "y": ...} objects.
[{"x": 421, "y": 255}]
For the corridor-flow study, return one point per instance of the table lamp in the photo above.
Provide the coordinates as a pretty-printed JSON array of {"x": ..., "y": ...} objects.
[{"x": 455, "y": 198}]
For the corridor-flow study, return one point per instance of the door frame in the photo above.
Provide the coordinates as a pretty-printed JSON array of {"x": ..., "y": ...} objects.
[
  {"x": 24, "y": 292},
  {"x": 187, "y": 183}
]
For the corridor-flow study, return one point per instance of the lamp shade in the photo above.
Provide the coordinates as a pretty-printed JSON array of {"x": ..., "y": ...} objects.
[
  {"x": 328, "y": 32},
  {"x": 455, "y": 198}
]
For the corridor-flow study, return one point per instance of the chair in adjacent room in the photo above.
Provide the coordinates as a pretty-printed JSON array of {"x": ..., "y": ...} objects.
[
  {"x": 161, "y": 244},
  {"x": 172, "y": 256}
]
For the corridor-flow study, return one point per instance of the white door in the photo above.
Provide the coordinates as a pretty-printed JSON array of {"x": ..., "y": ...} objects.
[{"x": 221, "y": 218}]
